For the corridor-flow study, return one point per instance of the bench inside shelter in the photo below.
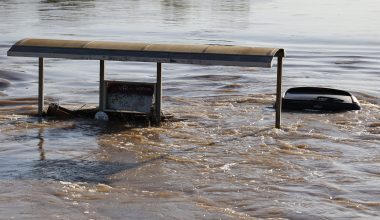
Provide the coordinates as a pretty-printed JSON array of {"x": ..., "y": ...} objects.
[{"x": 220, "y": 55}]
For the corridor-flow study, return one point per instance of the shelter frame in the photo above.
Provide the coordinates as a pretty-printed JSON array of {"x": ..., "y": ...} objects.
[{"x": 225, "y": 55}]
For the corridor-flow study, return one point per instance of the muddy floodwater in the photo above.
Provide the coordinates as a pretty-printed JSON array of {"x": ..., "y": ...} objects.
[{"x": 225, "y": 160}]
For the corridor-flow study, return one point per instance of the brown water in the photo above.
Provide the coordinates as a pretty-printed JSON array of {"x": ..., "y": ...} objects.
[{"x": 226, "y": 161}]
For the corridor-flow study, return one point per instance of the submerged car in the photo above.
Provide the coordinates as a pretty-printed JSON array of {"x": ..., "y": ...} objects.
[{"x": 319, "y": 99}]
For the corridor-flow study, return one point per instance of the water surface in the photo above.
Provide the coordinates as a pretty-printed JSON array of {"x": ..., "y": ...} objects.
[{"x": 225, "y": 161}]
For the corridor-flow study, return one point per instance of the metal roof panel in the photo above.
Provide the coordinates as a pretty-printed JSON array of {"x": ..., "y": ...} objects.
[{"x": 144, "y": 52}]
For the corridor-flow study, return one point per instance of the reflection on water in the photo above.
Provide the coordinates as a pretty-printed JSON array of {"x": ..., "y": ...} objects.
[
  {"x": 66, "y": 11},
  {"x": 41, "y": 144},
  {"x": 225, "y": 161},
  {"x": 69, "y": 5},
  {"x": 175, "y": 10},
  {"x": 225, "y": 13}
]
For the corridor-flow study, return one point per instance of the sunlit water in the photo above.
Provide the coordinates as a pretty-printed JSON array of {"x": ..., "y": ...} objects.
[{"x": 225, "y": 161}]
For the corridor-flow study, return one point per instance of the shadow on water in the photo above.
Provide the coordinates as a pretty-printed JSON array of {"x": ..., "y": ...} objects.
[
  {"x": 71, "y": 169},
  {"x": 79, "y": 170}
]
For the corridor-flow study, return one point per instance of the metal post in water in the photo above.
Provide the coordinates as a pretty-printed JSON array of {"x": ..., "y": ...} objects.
[
  {"x": 101, "y": 86},
  {"x": 40, "y": 86},
  {"x": 278, "y": 92},
  {"x": 158, "y": 97}
]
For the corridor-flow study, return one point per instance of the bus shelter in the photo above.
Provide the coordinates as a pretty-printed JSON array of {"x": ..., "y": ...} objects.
[{"x": 221, "y": 55}]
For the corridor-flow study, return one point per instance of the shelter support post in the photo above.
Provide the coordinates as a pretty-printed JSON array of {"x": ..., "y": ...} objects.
[
  {"x": 101, "y": 86},
  {"x": 158, "y": 95},
  {"x": 40, "y": 86},
  {"x": 278, "y": 92}
]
